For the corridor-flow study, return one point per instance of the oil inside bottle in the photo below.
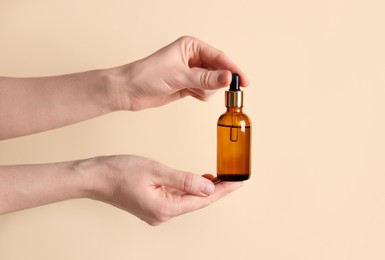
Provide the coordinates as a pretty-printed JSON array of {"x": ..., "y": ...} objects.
[{"x": 233, "y": 163}]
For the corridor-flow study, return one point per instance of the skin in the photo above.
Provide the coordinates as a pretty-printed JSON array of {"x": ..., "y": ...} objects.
[{"x": 148, "y": 189}]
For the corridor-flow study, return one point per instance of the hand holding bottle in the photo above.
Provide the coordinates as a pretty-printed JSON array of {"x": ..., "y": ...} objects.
[
  {"x": 148, "y": 189},
  {"x": 186, "y": 67}
]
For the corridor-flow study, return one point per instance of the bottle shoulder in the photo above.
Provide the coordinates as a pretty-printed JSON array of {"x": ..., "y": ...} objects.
[{"x": 234, "y": 119}]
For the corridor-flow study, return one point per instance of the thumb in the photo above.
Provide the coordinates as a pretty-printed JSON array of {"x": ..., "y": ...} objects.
[
  {"x": 187, "y": 182},
  {"x": 208, "y": 79}
]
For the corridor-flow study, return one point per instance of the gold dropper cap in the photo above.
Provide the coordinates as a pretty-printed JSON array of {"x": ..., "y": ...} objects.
[{"x": 234, "y": 96}]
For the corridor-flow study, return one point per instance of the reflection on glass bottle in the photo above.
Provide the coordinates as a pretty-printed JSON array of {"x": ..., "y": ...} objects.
[{"x": 234, "y": 138}]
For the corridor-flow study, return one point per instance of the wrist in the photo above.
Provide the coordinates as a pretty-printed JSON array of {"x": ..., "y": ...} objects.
[
  {"x": 97, "y": 180},
  {"x": 109, "y": 79},
  {"x": 117, "y": 79}
]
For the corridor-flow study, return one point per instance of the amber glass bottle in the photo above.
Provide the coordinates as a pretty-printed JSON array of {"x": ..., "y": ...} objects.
[{"x": 234, "y": 137}]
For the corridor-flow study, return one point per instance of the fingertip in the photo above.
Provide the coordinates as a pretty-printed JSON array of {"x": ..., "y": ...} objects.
[
  {"x": 224, "y": 78},
  {"x": 244, "y": 79},
  {"x": 245, "y": 82},
  {"x": 207, "y": 188}
]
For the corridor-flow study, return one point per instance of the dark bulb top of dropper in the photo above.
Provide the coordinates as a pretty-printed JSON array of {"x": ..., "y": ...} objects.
[
  {"x": 234, "y": 97},
  {"x": 234, "y": 85}
]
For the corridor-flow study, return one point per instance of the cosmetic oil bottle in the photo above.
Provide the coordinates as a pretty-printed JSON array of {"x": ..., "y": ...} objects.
[{"x": 234, "y": 137}]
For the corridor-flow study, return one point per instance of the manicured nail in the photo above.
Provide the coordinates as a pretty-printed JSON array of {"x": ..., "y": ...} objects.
[{"x": 207, "y": 187}]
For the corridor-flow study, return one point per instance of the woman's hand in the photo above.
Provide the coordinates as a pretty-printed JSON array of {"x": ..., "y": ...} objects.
[
  {"x": 186, "y": 67},
  {"x": 151, "y": 191}
]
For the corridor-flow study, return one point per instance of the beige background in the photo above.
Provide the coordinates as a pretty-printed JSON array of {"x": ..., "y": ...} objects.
[{"x": 317, "y": 71}]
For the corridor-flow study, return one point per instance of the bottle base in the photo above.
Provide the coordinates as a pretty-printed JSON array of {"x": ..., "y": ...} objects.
[{"x": 233, "y": 177}]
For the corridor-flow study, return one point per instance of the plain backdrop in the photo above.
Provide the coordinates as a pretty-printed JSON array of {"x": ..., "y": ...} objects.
[{"x": 316, "y": 100}]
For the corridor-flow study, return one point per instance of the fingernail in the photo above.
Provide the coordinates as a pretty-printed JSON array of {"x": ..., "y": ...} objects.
[{"x": 207, "y": 187}]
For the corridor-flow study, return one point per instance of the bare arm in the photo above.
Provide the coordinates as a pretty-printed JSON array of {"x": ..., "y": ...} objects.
[
  {"x": 151, "y": 191},
  {"x": 30, "y": 105},
  {"x": 26, "y": 186},
  {"x": 186, "y": 67},
  {"x": 147, "y": 189}
]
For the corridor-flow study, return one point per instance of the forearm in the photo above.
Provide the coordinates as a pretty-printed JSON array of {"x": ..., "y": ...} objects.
[
  {"x": 151, "y": 191},
  {"x": 27, "y": 186},
  {"x": 30, "y": 105}
]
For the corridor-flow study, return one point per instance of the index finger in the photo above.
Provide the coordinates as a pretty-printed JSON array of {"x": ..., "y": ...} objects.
[{"x": 205, "y": 53}]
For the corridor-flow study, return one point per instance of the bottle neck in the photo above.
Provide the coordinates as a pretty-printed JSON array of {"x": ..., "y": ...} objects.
[
  {"x": 234, "y": 98},
  {"x": 234, "y": 110}
]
